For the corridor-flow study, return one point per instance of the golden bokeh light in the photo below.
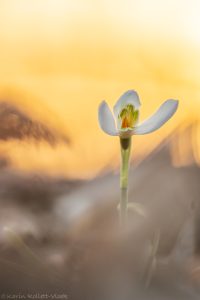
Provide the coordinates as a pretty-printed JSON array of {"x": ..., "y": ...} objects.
[{"x": 59, "y": 59}]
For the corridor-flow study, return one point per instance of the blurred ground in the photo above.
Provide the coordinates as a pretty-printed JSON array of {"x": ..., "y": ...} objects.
[{"x": 62, "y": 235}]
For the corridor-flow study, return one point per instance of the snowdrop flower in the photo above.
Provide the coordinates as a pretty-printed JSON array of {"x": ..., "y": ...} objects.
[{"x": 124, "y": 123}]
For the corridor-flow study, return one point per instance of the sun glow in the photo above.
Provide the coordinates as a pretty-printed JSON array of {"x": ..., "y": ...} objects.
[{"x": 60, "y": 59}]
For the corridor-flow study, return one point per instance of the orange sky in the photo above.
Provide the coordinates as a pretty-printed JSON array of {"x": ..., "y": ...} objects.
[{"x": 60, "y": 58}]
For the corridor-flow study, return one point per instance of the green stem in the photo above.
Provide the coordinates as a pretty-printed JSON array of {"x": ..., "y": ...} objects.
[{"x": 125, "y": 156}]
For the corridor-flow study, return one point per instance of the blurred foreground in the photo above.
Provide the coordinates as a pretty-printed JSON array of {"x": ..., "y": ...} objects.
[{"x": 61, "y": 236}]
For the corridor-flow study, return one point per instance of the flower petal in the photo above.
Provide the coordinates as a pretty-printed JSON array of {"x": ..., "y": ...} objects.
[
  {"x": 106, "y": 119},
  {"x": 160, "y": 117},
  {"x": 129, "y": 97},
  {"x": 127, "y": 132}
]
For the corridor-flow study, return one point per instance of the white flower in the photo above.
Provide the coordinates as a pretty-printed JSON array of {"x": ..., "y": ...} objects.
[{"x": 124, "y": 123}]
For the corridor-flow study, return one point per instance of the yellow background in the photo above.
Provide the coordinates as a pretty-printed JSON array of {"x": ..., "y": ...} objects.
[{"x": 59, "y": 59}]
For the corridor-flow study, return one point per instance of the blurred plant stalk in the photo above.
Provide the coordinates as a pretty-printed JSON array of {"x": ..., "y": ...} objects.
[{"x": 124, "y": 170}]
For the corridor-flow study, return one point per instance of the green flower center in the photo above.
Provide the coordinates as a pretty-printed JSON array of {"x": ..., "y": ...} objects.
[{"x": 128, "y": 116}]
